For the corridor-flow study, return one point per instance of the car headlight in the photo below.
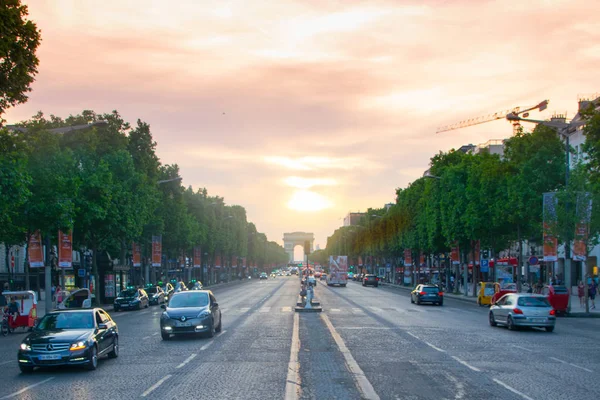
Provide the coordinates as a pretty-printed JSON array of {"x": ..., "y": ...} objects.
[
  {"x": 25, "y": 347},
  {"x": 78, "y": 346},
  {"x": 204, "y": 314}
]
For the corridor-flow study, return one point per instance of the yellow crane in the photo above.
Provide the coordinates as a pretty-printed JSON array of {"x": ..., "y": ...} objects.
[{"x": 514, "y": 116}]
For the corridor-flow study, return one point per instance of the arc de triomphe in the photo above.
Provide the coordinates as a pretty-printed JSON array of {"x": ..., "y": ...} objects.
[{"x": 291, "y": 240}]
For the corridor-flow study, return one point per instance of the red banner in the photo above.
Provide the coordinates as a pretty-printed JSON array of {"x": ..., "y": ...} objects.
[
  {"x": 137, "y": 254},
  {"x": 422, "y": 259},
  {"x": 580, "y": 243},
  {"x": 197, "y": 257},
  {"x": 156, "y": 251},
  {"x": 65, "y": 250},
  {"x": 407, "y": 257},
  {"x": 455, "y": 255},
  {"x": 550, "y": 245},
  {"x": 34, "y": 249},
  {"x": 476, "y": 244}
]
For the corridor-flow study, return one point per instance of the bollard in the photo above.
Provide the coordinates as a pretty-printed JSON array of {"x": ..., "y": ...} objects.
[{"x": 309, "y": 297}]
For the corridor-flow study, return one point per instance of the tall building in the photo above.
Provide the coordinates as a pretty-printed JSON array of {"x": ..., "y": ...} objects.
[{"x": 353, "y": 218}]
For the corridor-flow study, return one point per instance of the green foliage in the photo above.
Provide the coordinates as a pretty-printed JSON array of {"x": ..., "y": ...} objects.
[{"x": 19, "y": 40}]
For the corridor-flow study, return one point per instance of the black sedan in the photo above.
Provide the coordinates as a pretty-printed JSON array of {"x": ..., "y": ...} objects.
[
  {"x": 155, "y": 295},
  {"x": 427, "y": 294},
  {"x": 131, "y": 299},
  {"x": 191, "y": 312},
  {"x": 370, "y": 280},
  {"x": 70, "y": 337}
]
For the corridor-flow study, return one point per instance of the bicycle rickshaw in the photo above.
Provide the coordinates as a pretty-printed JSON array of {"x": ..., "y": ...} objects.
[{"x": 27, "y": 310}]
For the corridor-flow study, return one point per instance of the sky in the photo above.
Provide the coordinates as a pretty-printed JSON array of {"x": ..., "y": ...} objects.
[{"x": 304, "y": 110}]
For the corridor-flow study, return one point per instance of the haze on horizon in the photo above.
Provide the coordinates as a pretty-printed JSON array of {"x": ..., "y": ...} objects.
[{"x": 302, "y": 111}]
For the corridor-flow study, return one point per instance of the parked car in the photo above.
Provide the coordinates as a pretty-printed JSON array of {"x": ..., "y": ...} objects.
[
  {"x": 263, "y": 275},
  {"x": 427, "y": 294},
  {"x": 516, "y": 310},
  {"x": 131, "y": 299},
  {"x": 70, "y": 337},
  {"x": 168, "y": 289},
  {"x": 191, "y": 312},
  {"x": 370, "y": 280},
  {"x": 155, "y": 295}
]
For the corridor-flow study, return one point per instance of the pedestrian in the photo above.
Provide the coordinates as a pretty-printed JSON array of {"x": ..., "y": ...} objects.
[
  {"x": 581, "y": 294},
  {"x": 592, "y": 293}
]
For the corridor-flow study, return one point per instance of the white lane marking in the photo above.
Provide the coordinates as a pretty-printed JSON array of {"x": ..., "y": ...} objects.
[
  {"x": 523, "y": 348},
  {"x": 413, "y": 335},
  {"x": 335, "y": 310},
  {"x": 7, "y": 362},
  {"x": 363, "y": 384},
  {"x": 515, "y": 391},
  {"x": 286, "y": 309},
  {"x": 155, "y": 386},
  {"x": 292, "y": 383},
  {"x": 26, "y": 388},
  {"x": 187, "y": 360},
  {"x": 154, "y": 334},
  {"x": 460, "y": 388},
  {"x": 559, "y": 360},
  {"x": 358, "y": 311},
  {"x": 146, "y": 337},
  {"x": 245, "y": 309},
  {"x": 577, "y": 366},
  {"x": 378, "y": 328},
  {"x": 466, "y": 365},
  {"x": 265, "y": 309},
  {"x": 434, "y": 347},
  {"x": 376, "y": 309},
  {"x": 207, "y": 345}
]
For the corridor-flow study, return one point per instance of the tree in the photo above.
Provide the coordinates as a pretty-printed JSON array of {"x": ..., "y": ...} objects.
[{"x": 19, "y": 40}]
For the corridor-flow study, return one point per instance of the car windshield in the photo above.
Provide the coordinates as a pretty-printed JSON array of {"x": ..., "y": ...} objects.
[
  {"x": 430, "y": 289},
  {"x": 68, "y": 320},
  {"x": 189, "y": 300},
  {"x": 127, "y": 293},
  {"x": 533, "y": 302},
  {"x": 151, "y": 290}
]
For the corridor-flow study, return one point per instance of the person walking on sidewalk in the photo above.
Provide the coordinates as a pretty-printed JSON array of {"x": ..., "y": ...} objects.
[
  {"x": 581, "y": 294},
  {"x": 592, "y": 293}
]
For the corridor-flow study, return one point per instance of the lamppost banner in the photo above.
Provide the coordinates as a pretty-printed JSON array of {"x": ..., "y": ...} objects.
[
  {"x": 550, "y": 240},
  {"x": 137, "y": 255},
  {"x": 407, "y": 257},
  {"x": 477, "y": 250},
  {"x": 197, "y": 257},
  {"x": 34, "y": 247},
  {"x": 65, "y": 250},
  {"x": 584, "y": 213},
  {"x": 156, "y": 250},
  {"x": 455, "y": 254}
]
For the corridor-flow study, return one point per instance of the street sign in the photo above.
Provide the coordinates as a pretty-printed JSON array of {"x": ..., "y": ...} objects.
[
  {"x": 533, "y": 260},
  {"x": 484, "y": 265},
  {"x": 81, "y": 273}
]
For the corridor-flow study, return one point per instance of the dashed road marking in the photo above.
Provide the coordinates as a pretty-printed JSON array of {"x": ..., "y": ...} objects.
[
  {"x": 466, "y": 365},
  {"x": 187, "y": 360},
  {"x": 413, "y": 335},
  {"x": 154, "y": 334},
  {"x": 155, "y": 386},
  {"x": 515, "y": 391},
  {"x": 358, "y": 311},
  {"x": 286, "y": 309},
  {"x": 146, "y": 337},
  {"x": 523, "y": 348},
  {"x": 265, "y": 309},
  {"x": 245, "y": 309},
  {"x": 292, "y": 383},
  {"x": 363, "y": 384},
  {"x": 376, "y": 309},
  {"x": 26, "y": 388},
  {"x": 335, "y": 310},
  {"x": 434, "y": 347},
  {"x": 7, "y": 362},
  {"x": 577, "y": 366}
]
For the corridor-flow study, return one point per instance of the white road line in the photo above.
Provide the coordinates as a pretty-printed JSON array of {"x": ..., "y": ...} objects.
[
  {"x": 466, "y": 365},
  {"x": 413, "y": 335},
  {"x": 292, "y": 383},
  {"x": 363, "y": 384},
  {"x": 335, "y": 310},
  {"x": 7, "y": 362},
  {"x": 26, "y": 388},
  {"x": 515, "y": 391},
  {"x": 245, "y": 309},
  {"x": 523, "y": 348},
  {"x": 154, "y": 334},
  {"x": 460, "y": 388},
  {"x": 377, "y": 328},
  {"x": 187, "y": 360},
  {"x": 559, "y": 360},
  {"x": 358, "y": 311},
  {"x": 577, "y": 366},
  {"x": 434, "y": 347},
  {"x": 146, "y": 337},
  {"x": 265, "y": 309},
  {"x": 155, "y": 386},
  {"x": 376, "y": 309},
  {"x": 286, "y": 309}
]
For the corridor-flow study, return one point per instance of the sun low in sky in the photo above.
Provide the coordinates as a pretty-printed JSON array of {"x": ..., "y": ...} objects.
[{"x": 302, "y": 111}]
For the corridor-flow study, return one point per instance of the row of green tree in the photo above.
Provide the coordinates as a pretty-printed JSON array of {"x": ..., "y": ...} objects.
[
  {"x": 487, "y": 197},
  {"x": 107, "y": 185}
]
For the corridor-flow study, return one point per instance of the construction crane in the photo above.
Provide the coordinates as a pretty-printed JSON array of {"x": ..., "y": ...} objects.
[{"x": 514, "y": 116}]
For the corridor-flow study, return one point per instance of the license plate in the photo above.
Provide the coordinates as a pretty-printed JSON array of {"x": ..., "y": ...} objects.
[
  {"x": 50, "y": 357},
  {"x": 183, "y": 324},
  {"x": 538, "y": 319}
]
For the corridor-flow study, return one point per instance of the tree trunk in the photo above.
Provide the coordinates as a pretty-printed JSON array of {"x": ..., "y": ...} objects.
[
  {"x": 519, "y": 259},
  {"x": 95, "y": 274}
]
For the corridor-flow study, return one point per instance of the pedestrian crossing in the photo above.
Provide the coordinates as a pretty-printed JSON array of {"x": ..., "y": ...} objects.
[{"x": 350, "y": 310}]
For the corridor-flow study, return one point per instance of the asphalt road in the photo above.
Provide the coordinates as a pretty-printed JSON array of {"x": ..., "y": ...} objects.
[{"x": 367, "y": 343}]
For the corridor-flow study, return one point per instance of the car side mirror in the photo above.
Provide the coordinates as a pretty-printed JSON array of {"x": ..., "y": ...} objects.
[
  {"x": 102, "y": 326},
  {"x": 215, "y": 304},
  {"x": 163, "y": 306}
]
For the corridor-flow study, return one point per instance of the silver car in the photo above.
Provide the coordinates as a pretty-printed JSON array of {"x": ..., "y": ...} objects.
[{"x": 515, "y": 310}]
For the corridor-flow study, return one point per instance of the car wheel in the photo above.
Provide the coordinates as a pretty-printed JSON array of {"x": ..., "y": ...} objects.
[
  {"x": 441, "y": 303},
  {"x": 492, "y": 319},
  {"x": 220, "y": 327},
  {"x": 479, "y": 302},
  {"x": 26, "y": 369},
  {"x": 115, "y": 351},
  {"x": 165, "y": 336},
  {"x": 93, "y": 360},
  {"x": 376, "y": 285},
  {"x": 412, "y": 301},
  {"x": 418, "y": 301},
  {"x": 549, "y": 329},
  {"x": 116, "y": 309},
  {"x": 211, "y": 332},
  {"x": 510, "y": 324}
]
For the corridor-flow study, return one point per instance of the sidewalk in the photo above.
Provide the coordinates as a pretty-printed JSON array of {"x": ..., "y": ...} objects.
[{"x": 576, "y": 310}]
